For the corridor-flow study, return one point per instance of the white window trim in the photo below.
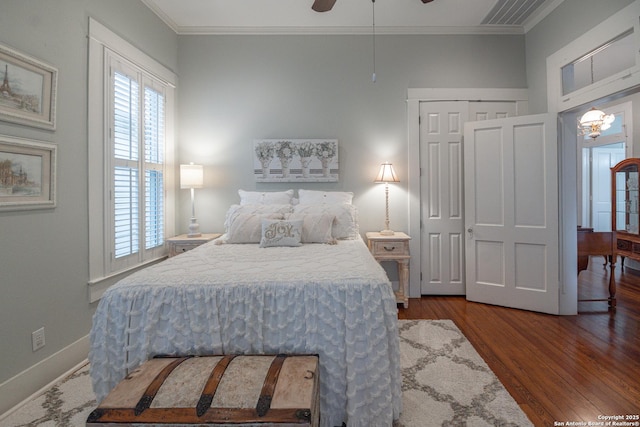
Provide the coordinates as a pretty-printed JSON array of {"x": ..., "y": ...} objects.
[
  {"x": 607, "y": 30},
  {"x": 101, "y": 39}
]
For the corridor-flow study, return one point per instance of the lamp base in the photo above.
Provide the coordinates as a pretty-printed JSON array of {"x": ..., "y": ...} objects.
[
  {"x": 194, "y": 229},
  {"x": 387, "y": 232}
]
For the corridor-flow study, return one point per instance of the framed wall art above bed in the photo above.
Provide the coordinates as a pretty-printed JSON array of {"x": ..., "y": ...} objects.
[{"x": 295, "y": 160}]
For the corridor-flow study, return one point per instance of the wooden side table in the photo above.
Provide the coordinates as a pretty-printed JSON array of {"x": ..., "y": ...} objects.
[
  {"x": 182, "y": 243},
  {"x": 393, "y": 248}
]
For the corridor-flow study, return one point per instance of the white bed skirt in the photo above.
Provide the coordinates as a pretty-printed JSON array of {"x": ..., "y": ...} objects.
[{"x": 331, "y": 300}]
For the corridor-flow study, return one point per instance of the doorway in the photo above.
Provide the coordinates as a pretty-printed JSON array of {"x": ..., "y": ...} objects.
[
  {"x": 418, "y": 177},
  {"x": 597, "y": 157},
  {"x": 596, "y": 177},
  {"x": 442, "y": 235}
]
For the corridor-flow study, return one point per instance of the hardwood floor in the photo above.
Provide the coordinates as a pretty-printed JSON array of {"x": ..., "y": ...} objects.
[{"x": 558, "y": 368}]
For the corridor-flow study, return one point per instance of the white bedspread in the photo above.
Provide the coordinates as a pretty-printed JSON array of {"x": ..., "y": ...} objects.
[{"x": 331, "y": 300}]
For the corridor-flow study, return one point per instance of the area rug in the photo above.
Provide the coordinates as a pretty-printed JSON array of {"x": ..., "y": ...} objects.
[{"x": 445, "y": 382}]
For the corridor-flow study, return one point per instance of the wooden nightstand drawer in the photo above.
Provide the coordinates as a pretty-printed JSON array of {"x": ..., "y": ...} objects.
[
  {"x": 390, "y": 248},
  {"x": 184, "y": 247},
  {"x": 180, "y": 244},
  {"x": 394, "y": 247}
]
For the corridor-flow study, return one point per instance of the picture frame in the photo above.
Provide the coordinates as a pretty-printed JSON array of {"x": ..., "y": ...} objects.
[
  {"x": 27, "y": 174},
  {"x": 295, "y": 160},
  {"x": 28, "y": 90}
]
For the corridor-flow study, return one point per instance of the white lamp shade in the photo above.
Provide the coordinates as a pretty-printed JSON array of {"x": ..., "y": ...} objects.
[
  {"x": 191, "y": 176},
  {"x": 386, "y": 174}
]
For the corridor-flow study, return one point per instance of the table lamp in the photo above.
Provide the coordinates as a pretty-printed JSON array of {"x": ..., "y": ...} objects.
[
  {"x": 386, "y": 175},
  {"x": 192, "y": 177}
]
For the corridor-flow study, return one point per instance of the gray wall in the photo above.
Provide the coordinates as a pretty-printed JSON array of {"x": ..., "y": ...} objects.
[
  {"x": 234, "y": 89},
  {"x": 43, "y": 254}
]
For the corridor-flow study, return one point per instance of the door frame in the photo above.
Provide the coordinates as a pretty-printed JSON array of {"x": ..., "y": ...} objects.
[
  {"x": 567, "y": 108},
  {"x": 626, "y": 108},
  {"x": 591, "y": 195},
  {"x": 414, "y": 97}
]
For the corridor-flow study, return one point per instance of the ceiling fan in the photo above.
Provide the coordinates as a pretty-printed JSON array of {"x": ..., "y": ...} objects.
[{"x": 326, "y": 5}]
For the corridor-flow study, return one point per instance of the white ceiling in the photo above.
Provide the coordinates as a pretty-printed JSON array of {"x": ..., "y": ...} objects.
[{"x": 352, "y": 16}]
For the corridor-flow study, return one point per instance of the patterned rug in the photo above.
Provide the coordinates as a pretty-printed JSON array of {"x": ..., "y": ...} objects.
[{"x": 445, "y": 383}]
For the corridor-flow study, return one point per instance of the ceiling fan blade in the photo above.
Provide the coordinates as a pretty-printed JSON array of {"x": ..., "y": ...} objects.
[
  {"x": 323, "y": 5},
  {"x": 426, "y": 1}
]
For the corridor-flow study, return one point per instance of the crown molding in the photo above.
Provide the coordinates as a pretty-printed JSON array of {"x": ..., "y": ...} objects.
[
  {"x": 477, "y": 30},
  {"x": 344, "y": 30},
  {"x": 540, "y": 13},
  {"x": 163, "y": 16}
]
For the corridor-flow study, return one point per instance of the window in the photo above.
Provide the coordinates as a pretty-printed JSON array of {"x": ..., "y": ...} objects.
[
  {"x": 137, "y": 146},
  {"x": 613, "y": 57},
  {"x": 603, "y": 61},
  {"x": 131, "y": 177}
]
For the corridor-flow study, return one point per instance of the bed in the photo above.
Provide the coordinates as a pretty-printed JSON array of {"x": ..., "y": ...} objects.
[{"x": 329, "y": 298}]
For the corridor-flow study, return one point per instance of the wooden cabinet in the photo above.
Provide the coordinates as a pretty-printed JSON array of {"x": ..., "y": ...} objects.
[
  {"x": 183, "y": 243},
  {"x": 625, "y": 218},
  {"x": 393, "y": 247}
]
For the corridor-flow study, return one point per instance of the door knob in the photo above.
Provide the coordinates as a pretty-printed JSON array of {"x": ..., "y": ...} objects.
[{"x": 470, "y": 231}]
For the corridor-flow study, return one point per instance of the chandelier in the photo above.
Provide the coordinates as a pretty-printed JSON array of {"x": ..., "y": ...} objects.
[{"x": 593, "y": 122}]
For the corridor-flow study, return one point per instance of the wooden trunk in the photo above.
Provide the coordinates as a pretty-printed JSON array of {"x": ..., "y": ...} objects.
[{"x": 216, "y": 391}]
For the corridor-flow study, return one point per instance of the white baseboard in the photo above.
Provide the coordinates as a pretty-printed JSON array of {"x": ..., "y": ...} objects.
[{"x": 34, "y": 381}]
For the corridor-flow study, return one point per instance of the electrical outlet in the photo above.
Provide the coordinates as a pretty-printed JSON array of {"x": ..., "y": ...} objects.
[{"x": 37, "y": 339}]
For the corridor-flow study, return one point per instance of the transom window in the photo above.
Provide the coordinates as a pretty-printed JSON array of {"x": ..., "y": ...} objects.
[{"x": 613, "y": 57}]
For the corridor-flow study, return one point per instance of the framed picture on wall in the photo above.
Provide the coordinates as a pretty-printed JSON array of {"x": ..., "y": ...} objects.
[
  {"x": 295, "y": 160},
  {"x": 27, "y": 90},
  {"x": 27, "y": 174}
]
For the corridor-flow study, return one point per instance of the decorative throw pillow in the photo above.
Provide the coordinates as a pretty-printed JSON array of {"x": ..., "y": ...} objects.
[
  {"x": 247, "y": 228},
  {"x": 345, "y": 223},
  {"x": 265, "y": 197},
  {"x": 313, "y": 197},
  {"x": 281, "y": 233},
  {"x": 235, "y": 210},
  {"x": 316, "y": 228}
]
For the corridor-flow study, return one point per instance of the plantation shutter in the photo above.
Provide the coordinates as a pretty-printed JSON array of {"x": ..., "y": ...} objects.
[
  {"x": 138, "y": 177},
  {"x": 126, "y": 182},
  {"x": 154, "y": 161}
]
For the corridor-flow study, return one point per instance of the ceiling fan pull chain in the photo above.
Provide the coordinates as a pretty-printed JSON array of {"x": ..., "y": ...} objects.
[{"x": 373, "y": 7}]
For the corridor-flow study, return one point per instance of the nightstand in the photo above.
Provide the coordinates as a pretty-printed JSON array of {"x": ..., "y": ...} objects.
[
  {"x": 393, "y": 247},
  {"x": 182, "y": 243}
]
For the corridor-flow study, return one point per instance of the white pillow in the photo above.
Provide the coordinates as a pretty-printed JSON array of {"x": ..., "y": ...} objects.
[
  {"x": 247, "y": 228},
  {"x": 345, "y": 222},
  {"x": 312, "y": 197},
  {"x": 265, "y": 197},
  {"x": 281, "y": 233},
  {"x": 316, "y": 228},
  {"x": 235, "y": 210}
]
